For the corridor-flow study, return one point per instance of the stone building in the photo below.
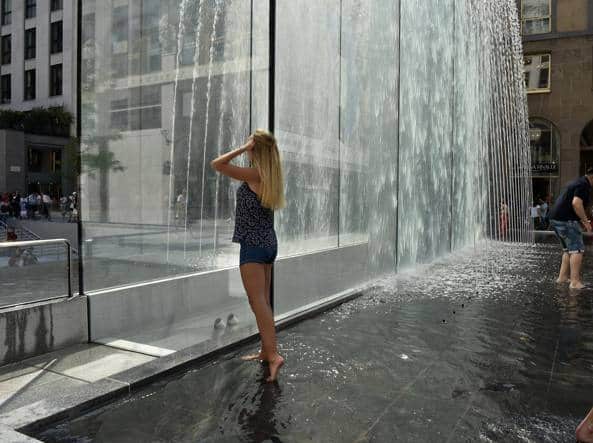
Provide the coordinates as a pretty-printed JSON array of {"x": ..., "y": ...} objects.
[
  {"x": 558, "y": 49},
  {"x": 38, "y": 69}
]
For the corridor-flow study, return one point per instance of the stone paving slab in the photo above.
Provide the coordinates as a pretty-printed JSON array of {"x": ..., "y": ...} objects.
[
  {"x": 61, "y": 380},
  {"x": 89, "y": 362},
  {"x": 9, "y": 435}
]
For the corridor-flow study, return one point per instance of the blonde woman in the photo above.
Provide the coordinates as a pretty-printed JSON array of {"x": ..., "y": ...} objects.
[{"x": 261, "y": 192}]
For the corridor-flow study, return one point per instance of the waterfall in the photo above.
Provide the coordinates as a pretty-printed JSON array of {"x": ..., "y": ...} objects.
[
  {"x": 172, "y": 196},
  {"x": 406, "y": 128}
]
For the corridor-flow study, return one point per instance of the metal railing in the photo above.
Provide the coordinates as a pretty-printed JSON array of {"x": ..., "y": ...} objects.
[{"x": 53, "y": 241}]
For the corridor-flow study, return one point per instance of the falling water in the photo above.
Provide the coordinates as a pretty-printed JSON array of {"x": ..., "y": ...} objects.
[
  {"x": 217, "y": 11},
  {"x": 196, "y": 63},
  {"x": 231, "y": 89},
  {"x": 172, "y": 197},
  {"x": 421, "y": 123}
]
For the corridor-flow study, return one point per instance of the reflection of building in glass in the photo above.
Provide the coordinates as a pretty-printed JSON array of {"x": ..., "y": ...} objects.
[
  {"x": 37, "y": 69},
  {"x": 152, "y": 96},
  {"x": 558, "y": 73}
]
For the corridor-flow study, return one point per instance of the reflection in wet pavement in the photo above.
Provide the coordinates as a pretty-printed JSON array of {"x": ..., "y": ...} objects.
[{"x": 468, "y": 349}]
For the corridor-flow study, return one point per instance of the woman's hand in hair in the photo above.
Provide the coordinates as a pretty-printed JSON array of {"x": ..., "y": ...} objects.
[{"x": 249, "y": 144}]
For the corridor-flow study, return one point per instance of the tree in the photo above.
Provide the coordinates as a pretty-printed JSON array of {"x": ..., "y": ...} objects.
[{"x": 95, "y": 160}]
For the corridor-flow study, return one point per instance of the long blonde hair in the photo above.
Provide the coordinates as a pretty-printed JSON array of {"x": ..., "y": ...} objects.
[{"x": 266, "y": 159}]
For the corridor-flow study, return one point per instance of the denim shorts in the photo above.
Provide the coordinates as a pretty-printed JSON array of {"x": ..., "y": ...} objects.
[
  {"x": 256, "y": 254},
  {"x": 570, "y": 235}
]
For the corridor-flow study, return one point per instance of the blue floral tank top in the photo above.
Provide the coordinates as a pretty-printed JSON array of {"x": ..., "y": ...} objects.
[{"x": 254, "y": 224}]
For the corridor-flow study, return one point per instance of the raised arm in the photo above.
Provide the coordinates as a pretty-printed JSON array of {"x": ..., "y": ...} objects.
[{"x": 223, "y": 165}]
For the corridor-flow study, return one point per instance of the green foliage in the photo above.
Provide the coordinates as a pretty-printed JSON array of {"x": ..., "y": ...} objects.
[
  {"x": 96, "y": 158},
  {"x": 10, "y": 119},
  {"x": 41, "y": 121}
]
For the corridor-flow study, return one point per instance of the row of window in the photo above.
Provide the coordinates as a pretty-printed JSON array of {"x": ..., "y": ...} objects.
[
  {"x": 30, "y": 9},
  {"x": 536, "y": 16},
  {"x": 56, "y": 44},
  {"x": 30, "y": 91}
]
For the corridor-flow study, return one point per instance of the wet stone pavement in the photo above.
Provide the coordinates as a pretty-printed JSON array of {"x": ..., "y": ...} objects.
[{"x": 482, "y": 346}]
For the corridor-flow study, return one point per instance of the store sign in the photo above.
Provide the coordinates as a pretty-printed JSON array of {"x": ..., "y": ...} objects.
[
  {"x": 544, "y": 167},
  {"x": 15, "y": 169}
]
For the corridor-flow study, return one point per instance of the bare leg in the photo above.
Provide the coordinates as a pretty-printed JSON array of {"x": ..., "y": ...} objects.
[
  {"x": 585, "y": 429},
  {"x": 254, "y": 281},
  {"x": 564, "y": 269},
  {"x": 576, "y": 261},
  {"x": 268, "y": 271}
]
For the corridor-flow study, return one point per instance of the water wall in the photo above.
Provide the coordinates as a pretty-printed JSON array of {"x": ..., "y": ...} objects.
[{"x": 402, "y": 127}]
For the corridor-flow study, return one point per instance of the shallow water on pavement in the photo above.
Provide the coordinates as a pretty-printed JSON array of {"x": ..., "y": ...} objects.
[{"x": 482, "y": 346}]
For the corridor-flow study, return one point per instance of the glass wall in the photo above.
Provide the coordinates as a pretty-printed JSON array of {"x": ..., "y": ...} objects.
[
  {"x": 166, "y": 87},
  {"x": 307, "y": 123},
  {"x": 383, "y": 130}
]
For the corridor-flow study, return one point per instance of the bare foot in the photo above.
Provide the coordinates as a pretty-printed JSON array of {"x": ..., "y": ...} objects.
[
  {"x": 576, "y": 285},
  {"x": 562, "y": 280},
  {"x": 275, "y": 366},
  {"x": 585, "y": 429}
]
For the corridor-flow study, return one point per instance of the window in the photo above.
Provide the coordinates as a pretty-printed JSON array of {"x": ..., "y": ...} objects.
[
  {"x": 537, "y": 72},
  {"x": 140, "y": 109},
  {"x": 56, "y": 5},
  {"x": 119, "y": 65},
  {"x": 119, "y": 30},
  {"x": 30, "y": 84},
  {"x": 151, "y": 41},
  {"x": 88, "y": 29},
  {"x": 6, "y": 49},
  {"x": 30, "y": 8},
  {"x": 56, "y": 37},
  {"x": 30, "y": 43},
  {"x": 6, "y": 12},
  {"x": 545, "y": 149},
  {"x": 5, "y": 89},
  {"x": 55, "y": 80},
  {"x": 535, "y": 16}
]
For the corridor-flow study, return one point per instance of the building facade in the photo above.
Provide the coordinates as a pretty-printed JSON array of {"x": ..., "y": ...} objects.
[
  {"x": 38, "y": 67},
  {"x": 38, "y": 54},
  {"x": 558, "y": 48}
]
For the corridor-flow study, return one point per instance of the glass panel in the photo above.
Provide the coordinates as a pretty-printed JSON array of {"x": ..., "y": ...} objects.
[
  {"x": 426, "y": 131},
  {"x": 379, "y": 133},
  {"x": 536, "y": 8},
  {"x": 307, "y": 122},
  {"x": 536, "y": 26},
  {"x": 545, "y": 149},
  {"x": 537, "y": 70},
  {"x": 142, "y": 145},
  {"x": 354, "y": 149},
  {"x": 31, "y": 273},
  {"x": 166, "y": 88}
]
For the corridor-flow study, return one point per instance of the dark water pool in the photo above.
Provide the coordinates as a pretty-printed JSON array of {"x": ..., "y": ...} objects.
[{"x": 469, "y": 349}]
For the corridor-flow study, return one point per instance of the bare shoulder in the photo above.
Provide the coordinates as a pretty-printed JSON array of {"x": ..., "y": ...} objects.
[
  {"x": 255, "y": 186},
  {"x": 248, "y": 175}
]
